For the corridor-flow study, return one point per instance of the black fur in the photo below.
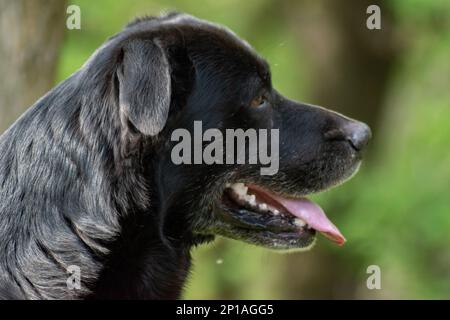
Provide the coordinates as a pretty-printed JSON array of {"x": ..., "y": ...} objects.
[{"x": 86, "y": 177}]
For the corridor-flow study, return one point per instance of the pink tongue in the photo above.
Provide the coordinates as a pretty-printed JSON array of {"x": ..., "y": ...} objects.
[{"x": 313, "y": 215}]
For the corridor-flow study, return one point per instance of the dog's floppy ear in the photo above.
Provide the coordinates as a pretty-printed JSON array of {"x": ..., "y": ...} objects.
[{"x": 144, "y": 86}]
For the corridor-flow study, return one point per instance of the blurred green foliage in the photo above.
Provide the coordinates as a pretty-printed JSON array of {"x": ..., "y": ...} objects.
[{"x": 399, "y": 212}]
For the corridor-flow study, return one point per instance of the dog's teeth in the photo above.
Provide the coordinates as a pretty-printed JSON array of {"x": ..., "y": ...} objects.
[
  {"x": 240, "y": 189},
  {"x": 273, "y": 210},
  {"x": 299, "y": 222},
  {"x": 252, "y": 200}
]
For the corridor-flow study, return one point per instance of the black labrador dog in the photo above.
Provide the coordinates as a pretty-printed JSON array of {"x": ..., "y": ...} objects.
[{"x": 88, "y": 181}]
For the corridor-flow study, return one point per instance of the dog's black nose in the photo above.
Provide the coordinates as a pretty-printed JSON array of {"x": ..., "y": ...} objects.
[{"x": 354, "y": 132}]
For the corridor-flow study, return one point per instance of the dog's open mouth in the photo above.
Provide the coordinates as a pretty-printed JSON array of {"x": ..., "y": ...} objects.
[{"x": 259, "y": 216}]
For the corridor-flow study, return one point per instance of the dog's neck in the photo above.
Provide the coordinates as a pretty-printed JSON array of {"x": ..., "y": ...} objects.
[
  {"x": 138, "y": 252},
  {"x": 99, "y": 218}
]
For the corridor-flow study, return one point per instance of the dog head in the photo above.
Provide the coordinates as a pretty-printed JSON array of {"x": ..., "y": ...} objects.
[{"x": 178, "y": 77}]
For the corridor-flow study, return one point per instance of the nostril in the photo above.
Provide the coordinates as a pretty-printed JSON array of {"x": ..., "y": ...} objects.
[
  {"x": 357, "y": 134},
  {"x": 355, "y": 144}
]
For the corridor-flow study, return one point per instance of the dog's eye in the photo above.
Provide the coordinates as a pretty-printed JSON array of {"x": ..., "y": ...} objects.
[{"x": 258, "y": 102}]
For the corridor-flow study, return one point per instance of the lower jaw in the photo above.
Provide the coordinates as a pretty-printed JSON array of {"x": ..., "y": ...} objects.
[
  {"x": 292, "y": 241},
  {"x": 278, "y": 241},
  {"x": 236, "y": 225}
]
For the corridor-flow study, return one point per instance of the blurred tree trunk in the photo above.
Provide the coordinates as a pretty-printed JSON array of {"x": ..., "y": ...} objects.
[
  {"x": 350, "y": 64},
  {"x": 350, "y": 67},
  {"x": 31, "y": 33}
]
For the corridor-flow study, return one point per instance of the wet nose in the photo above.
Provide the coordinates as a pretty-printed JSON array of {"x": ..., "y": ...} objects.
[{"x": 356, "y": 133}]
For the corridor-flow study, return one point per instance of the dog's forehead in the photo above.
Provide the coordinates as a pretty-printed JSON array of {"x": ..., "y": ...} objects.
[
  {"x": 183, "y": 20},
  {"x": 194, "y": 28}
]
